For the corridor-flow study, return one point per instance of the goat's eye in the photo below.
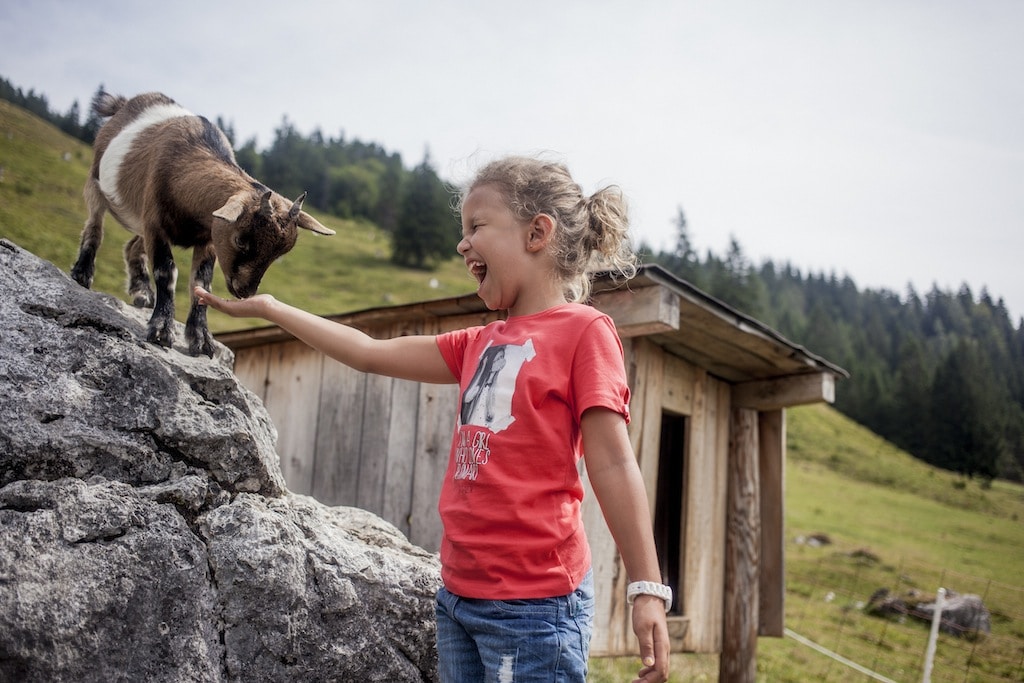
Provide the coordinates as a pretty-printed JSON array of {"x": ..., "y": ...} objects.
[{"x": 239, "y": 242}]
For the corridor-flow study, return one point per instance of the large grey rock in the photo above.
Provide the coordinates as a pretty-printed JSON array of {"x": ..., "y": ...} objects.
[
  {"x": 86, "y": 394},
  {"x": 962, "y": 615},
  {"x": 99, "y": 584},
  {"x": 146, "y": 532}
]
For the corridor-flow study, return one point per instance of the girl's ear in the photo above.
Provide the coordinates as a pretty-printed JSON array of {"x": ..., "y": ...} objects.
[{"x": 542, "y": 230}]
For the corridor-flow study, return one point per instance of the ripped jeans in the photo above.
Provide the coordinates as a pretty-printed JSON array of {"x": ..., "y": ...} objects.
[{"x": 546, "y": 640}]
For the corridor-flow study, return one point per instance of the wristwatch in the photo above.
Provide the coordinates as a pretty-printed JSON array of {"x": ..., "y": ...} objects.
[{"x": 658, "y": 590}]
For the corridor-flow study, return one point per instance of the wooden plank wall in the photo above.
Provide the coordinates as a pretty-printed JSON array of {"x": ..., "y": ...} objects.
[
  {"x": 660, "y": 381},
  {"x": 340, "y": 411},
  {"x": 704, "y": 563},
  {"x": 348, "y": 438},
  {"x": 613, "y": 632},
  {"x": 287, "y": 379}
]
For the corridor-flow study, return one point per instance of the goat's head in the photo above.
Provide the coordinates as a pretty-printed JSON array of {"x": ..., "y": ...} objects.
[{"x": 252, "y": 230}]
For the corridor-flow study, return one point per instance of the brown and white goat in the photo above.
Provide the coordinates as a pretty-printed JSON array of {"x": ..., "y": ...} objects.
[{"x": 170, "y": 177}]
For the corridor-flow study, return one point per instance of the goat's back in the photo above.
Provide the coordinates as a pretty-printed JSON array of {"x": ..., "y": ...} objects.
[
  {"x": 120, "y": 112},
  {"x": 151, "y": 143}
]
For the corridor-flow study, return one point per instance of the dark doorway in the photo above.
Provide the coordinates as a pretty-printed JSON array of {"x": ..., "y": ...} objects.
[{"x": 670, "y": 504}]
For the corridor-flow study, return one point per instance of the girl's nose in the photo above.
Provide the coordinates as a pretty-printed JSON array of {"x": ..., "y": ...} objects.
[{"x": 462, "y": 247}]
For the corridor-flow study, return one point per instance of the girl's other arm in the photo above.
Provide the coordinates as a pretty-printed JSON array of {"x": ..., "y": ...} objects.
[
  {"x": 619, "y": 488},
  {"x": 414, "y": 357}
]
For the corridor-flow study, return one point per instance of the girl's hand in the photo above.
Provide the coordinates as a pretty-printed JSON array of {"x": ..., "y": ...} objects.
[
  {"x": 253, "y": 307},
  {"x": 651, "y": 630}
]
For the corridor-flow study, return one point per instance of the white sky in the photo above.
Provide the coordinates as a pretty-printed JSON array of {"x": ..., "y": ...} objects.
[{"x": 880, "y": 139}]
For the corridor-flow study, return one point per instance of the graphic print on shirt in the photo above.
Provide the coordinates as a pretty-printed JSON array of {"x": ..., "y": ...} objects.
[{"x": 487, "y": 403}]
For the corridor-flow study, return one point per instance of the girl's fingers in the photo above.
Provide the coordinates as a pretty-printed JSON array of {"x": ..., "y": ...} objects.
[{"x": 202, "y": 296}]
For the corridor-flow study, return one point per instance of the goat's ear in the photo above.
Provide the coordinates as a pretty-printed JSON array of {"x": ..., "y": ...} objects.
[
  {"x": 307, "y": 222},
  {"x": 267, "y": 206},
  {"x": 293, "y": 212},
  {"x": 233, "y": 208}
]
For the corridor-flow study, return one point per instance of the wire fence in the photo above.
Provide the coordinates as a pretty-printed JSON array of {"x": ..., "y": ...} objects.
[{"x": 870, "y": 621}]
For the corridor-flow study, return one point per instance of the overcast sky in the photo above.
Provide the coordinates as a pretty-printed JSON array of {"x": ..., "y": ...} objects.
[{"x": 880, "y": 139}]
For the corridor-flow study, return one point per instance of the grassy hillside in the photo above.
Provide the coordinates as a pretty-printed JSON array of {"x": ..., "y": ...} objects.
[
  {"x": 895, "y": 523},
  {"x": 42, "y": 210}
]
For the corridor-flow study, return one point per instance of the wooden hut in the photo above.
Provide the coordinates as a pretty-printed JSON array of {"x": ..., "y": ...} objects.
[{"x": 709, "y": 391}]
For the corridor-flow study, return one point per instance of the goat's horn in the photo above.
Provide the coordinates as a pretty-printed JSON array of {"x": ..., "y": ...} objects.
[
  {"x": 293, "y": 213},
  {"x": 266, "y": 210}
]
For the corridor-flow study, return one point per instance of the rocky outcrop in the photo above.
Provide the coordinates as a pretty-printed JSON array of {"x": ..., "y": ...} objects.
[{"x": 146, "y": 532}]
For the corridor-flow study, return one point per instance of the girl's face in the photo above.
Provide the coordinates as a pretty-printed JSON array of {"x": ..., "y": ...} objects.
[
  {"x": 508, "y": 257},
  {"x": 492, "y": 237},
  {"x": 493, "y": 245}
]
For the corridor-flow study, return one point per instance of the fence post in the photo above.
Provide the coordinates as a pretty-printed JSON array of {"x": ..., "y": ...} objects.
[{"x": 940, "y": 599}]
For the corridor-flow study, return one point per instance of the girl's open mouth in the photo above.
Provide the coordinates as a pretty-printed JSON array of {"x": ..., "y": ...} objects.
[{"x": 478, "y": 270}]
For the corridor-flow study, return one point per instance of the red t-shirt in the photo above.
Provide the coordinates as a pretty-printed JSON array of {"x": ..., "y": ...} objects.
[{"x": 510, "y": 501}]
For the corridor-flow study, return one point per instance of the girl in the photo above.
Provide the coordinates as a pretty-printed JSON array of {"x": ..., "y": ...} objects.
[{"x": 539, "y": 390}]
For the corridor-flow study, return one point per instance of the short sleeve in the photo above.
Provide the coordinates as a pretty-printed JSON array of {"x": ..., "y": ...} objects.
[
  {"x": 598, "y": 370},
  {"x": 453, "y": 345}
]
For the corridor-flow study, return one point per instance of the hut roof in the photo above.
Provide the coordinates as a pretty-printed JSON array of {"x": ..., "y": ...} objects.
[
  {"x": 655, "y": 304},
  {"x": 713, "y": 335}
]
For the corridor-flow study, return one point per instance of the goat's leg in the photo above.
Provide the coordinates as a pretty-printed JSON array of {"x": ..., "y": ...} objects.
[
  {"x": 139, "y": 289},
  {"x": 197, "y": 332},
  {"x": 165, "y": 276},
  {"x": 92, "y": 235}
]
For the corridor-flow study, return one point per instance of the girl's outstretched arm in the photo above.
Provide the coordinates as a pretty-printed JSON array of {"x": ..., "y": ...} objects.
[
  {"x": 619, "y": 488},
  {"x": 413, "y": 357}
]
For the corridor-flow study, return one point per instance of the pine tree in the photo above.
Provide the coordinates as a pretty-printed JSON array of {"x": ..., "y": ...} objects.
[
  {"x": 426, "y": 229},
  {"x": 683, "y": 261},
  {"x": 69, "y": 123},
  {"x": 967, "y": 417},
  {"x": 92, "y": 120},
  {"x": 912, "y": 400}
]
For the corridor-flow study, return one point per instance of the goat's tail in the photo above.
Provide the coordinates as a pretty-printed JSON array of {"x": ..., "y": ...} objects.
[{"x": 105, "y": 104}]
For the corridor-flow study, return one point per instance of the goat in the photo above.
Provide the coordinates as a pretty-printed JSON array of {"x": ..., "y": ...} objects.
[{"x": 170, "y": 177}]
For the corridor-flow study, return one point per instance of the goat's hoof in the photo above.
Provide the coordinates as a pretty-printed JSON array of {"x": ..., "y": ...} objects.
[
  {"x": 162, "y": 336},
  {"x": 142, "y": 299},
  {"x": 200, "y": 341},
  {"x": 82, "y": 276},
  {"x": 198, "y": 347}
]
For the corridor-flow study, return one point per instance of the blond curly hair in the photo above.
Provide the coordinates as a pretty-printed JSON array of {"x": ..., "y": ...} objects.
[{"x": 592, "y": 233}]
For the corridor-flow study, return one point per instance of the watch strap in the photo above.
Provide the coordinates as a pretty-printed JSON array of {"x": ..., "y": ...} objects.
[{"x": 658, "y": 590}]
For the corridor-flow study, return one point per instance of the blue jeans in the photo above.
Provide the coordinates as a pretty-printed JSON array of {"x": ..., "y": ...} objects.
[{"x": 546, "y": 640}]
